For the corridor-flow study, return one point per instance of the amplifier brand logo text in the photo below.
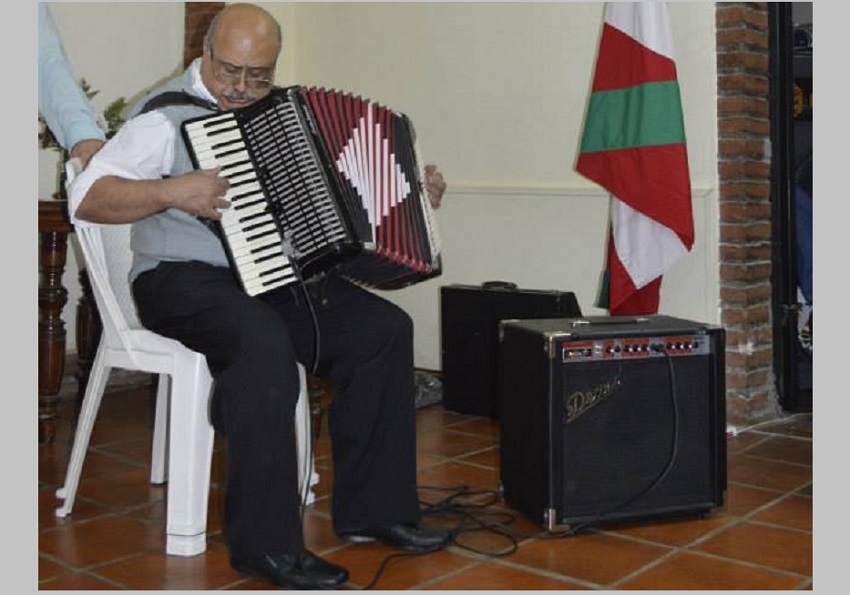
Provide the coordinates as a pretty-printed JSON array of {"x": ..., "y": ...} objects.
[{"x": 581, "y": 401}]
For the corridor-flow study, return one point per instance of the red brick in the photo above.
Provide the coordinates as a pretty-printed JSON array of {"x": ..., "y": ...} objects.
[
  {"x": 760, "y": 358},
  {"x": 741, "y": 209},
  {"x": 733, "y": 253},
  {"x": 745, "y": 272},
  {"x": 196, "y": 21},
  {"x": 746, "y": 294},
  {"x": 732, "y": 14},
  {"x": 730, "y": 104},
  {"x": 740, "y": 39},
  {"x": 743, "y": 126},
  {"x": 732, "y": 232},
  {"x": 735, "y": 297},
  {"x": 733, "y": 211},
  {"x": 741, "y": 147},
  {"x": 759, "y": 231},
  {"x": 754, "y": 62},
  {"x": 743, "y": 82}
]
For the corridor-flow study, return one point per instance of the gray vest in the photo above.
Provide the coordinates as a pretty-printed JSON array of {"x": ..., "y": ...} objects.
[{"x": 174, "y": 235}]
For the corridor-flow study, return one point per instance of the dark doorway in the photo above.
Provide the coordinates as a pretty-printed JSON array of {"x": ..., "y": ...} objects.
[{"x": 791, "y": 53}]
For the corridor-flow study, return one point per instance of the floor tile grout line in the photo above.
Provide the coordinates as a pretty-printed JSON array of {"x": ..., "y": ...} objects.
[
  {"x": 58, "y": 561},
  {"x": 749, "y": 564},
  {"x": 672, "y": 550},
  {"x": 548, "y": 573},
  {"x": 114, "y": 583},
  {"x": 784, "y": 437},
  {"x": 481, "y": 559},
  {"x": 772, "y": 460},
  {"x": 775, "y": 424},
  {"x": 108, "y": 509},
  {"x": 92, "y": 568},
  {"x": 778, "y": 526},
  {"x": 70, "y": 521},
  {"x": 692, "y": 548},
  {"x": 776, "y": 496},
  {"x": 711, "y": 533},
  {"x": 455, "y": 430},
  {"x": 648, "y": 566},
  {"x": 655, "y": 543},
  {"x": 806, "y": 583},
  {"x": 769, "y": 488},
  {"x": 781, "y": 495},
  {"x": 677, "y": 551},
  {"x": 447, "y": 575}
]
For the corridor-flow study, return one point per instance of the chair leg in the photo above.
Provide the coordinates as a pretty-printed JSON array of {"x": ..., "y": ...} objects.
[
  {"x": 88, "y": 413},
  {"x": 307, "y": 476},
  {"x": 189, "y": 458},
  {"x": 159, "y": 451}
]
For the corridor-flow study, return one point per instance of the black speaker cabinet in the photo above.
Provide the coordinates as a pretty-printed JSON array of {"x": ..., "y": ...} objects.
[
  {"x": 611, "y": 418},
  {"x": 469, "y": 317}
]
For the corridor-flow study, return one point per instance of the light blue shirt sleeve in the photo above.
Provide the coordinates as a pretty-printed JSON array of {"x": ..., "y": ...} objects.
[{"x": 61, "y": 101}]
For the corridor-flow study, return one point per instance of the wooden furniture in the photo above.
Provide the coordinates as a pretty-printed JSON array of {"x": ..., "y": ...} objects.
[{"x": 54, "y": 228}]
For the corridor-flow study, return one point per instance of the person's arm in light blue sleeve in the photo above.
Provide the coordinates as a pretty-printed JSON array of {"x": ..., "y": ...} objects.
[{"x": 61, "y": 101}]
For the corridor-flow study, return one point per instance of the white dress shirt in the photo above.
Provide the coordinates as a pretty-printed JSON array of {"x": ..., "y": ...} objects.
[{"x": 142, "y": 149}]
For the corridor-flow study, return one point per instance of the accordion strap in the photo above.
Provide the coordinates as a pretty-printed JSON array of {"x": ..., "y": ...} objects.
[
  {"x": 177, "y": 98},
  {"x": 169, "y": 98}
]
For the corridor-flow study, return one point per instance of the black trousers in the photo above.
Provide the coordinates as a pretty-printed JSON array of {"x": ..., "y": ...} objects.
[{"x": 365, "y": 346}]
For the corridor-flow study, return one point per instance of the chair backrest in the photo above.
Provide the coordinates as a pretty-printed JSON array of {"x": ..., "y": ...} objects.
[{"x": 106, "y": 249}]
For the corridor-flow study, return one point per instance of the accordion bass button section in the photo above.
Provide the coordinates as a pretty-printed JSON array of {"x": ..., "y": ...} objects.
[{"x": 319, "y": 180}]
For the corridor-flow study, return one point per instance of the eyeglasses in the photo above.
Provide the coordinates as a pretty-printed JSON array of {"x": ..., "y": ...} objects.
[{"x": 256, "y": 77}]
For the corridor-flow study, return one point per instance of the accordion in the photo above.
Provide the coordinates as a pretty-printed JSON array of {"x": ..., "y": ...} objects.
[{"x": 320, "y": 180}]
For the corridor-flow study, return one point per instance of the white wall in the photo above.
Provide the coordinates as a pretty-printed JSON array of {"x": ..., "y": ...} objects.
[
  {"x": 117, "y": 59},
  {"x": 497, "y": 93},
  {"x": 122, "y": 49}
]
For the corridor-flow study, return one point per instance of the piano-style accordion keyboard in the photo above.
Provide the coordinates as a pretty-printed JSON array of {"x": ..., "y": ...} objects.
[{"x": 319, "y": 180}]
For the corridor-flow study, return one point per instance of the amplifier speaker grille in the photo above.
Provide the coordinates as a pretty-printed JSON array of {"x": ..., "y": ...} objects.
[{"x": 582, "y": 440}]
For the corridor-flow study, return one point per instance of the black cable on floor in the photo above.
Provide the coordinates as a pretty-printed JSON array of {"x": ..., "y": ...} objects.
[
  {"x": 467, "y": 511},
  {"x": 379, "y": 573},
  {"x": 466, "y": 516}
]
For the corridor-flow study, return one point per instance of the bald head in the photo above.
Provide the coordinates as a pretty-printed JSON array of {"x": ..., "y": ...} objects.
[
  {"x": 244, "y": 24},
  {"x": 240, "y": 55}
]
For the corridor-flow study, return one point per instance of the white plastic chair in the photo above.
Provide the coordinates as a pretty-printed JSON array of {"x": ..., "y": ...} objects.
[{"x": 182, "y": 430}]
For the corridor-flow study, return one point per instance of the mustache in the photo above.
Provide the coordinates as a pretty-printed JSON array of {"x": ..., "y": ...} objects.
[{"x": 237, "y": 96}]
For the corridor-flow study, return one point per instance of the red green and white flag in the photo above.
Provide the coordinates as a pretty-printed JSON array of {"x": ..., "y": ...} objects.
[{"x": 633, "y": 145}]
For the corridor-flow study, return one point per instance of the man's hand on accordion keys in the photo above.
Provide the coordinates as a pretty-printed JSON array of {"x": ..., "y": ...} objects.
[
  {"x": 201, "y": 193},
  {"x": 435, "y": 185}
]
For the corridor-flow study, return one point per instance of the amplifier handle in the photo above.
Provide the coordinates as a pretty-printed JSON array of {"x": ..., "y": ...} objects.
[
  {"x": 609, "y": 320},
  {"x": 507, "y": 285}
]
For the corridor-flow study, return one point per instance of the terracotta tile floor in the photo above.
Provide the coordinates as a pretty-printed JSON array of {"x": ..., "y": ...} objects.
[{"x": 761, "y": 540}]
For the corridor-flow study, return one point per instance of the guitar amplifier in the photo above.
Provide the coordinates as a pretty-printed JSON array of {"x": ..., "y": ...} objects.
[
  {"x": 611, "y": 418},
  {"x": 469, "y": 317}
]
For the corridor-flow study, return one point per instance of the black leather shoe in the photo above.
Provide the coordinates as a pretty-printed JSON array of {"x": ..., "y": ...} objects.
[
  {"x": 406, "y": 536},
  {"x": 302, "y": 571}
]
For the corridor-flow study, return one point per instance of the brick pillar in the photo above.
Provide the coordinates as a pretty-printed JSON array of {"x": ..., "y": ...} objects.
[
  {"x": 745, "y": 209},
  {"x": 197, "y": 19}
]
